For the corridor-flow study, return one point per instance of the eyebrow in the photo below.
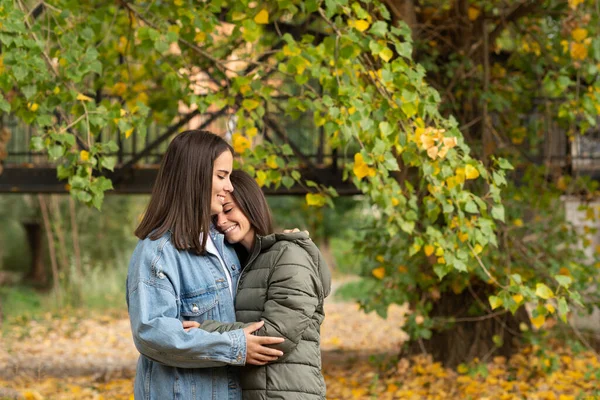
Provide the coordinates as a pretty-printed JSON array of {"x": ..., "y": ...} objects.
[{"x": 224, "y": 171}]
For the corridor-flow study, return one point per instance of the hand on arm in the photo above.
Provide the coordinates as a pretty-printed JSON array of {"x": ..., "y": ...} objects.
[{"x": 257, "y": 352}]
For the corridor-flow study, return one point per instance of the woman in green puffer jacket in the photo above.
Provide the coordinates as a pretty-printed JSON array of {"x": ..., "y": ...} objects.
[{"x": 284, "y": 282}]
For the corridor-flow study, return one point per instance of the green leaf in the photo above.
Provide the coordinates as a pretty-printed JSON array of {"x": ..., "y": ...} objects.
[
  {"x": 504, "y": 164},
  {"x": 56, "y": 151},
  {"x": 161, "y": 46},
  {"x": 498, "y": 212},
  {"x": 563, "y": 309},
  {"x": 37, "y": 143},
  {"x": 287, "y": 182},
  {"x": 471, "y": 207},
  {"x": 564, "y": 280},
  {"x": 543, "y": 291},
  {"x": 108, "y": 163},
  {"x": 378, "y": 28},
  {"x": 4, "y": 105}
]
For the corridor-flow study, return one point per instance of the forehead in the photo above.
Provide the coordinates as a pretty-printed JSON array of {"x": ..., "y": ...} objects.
[{"x": 224, "y": 162}]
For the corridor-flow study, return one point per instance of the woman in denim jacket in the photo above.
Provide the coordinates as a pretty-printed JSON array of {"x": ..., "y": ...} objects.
[{"x": 181, "y": 270}]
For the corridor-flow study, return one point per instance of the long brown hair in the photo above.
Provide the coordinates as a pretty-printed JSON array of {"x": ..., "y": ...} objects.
[
  {"x": 182, "y": 193},
  {"x": 252, "y": 202}
]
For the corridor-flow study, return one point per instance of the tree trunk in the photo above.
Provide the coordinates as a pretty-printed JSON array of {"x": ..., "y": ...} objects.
[
  {"x": 37, "y": 275},
  {"x": 489, "y": 335}
]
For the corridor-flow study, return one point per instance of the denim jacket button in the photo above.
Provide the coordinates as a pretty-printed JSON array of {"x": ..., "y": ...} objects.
[
  {"x": 195, "y": 308},
  {"x": 161, "y": 275},
  {"x": 233, "y": 267}
]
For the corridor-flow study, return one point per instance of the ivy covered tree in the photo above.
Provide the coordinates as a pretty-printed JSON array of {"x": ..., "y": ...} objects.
[{"x": 438, "y": 228}]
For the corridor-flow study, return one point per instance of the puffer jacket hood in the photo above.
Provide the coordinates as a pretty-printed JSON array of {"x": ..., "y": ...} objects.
[{"x": 303, "y": 240}]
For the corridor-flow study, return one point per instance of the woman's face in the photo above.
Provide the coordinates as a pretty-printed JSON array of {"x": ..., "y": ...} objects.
[
  {"x": 234, "y": 224},
  {"x": 221, "y": 185}
]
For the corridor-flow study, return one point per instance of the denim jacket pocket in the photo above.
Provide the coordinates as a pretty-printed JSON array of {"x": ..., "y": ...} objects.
[{"x": 200, "y": 307}]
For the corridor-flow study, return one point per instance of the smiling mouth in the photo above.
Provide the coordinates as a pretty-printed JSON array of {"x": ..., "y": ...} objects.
[{"x": 229, "y": 229}]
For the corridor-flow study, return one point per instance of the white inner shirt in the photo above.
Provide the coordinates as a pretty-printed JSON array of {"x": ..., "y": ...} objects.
[{"x": 211, "y": 248}]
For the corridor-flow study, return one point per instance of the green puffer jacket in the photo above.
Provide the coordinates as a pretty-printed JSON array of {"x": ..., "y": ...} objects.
[{"x": 284, "y": 283}]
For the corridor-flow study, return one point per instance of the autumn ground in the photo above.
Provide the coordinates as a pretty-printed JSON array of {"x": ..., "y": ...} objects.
[{"x": 92, "y": 357}]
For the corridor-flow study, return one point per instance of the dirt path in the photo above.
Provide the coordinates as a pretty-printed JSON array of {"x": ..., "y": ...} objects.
[{"x": 101, "y": 346}]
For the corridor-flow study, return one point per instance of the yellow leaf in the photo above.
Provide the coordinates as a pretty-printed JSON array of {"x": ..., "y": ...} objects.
[
  {"x": 538, "y": 321},
  {"x": 463, "y": 237},
  {"x": 441, "y": 260},
  {"x": 386, "y": 54},
  {"x": 473, "y": 13},
  {"x": 32, "y": 395},
  {"x": 518, "y": 298},
  {"x": 518, "y": 222},
  {"x": 471, "y": 172},
  {"x": 272, "y": 161},
  {"x": 428, "y": 249},
  {"x": 439, "y": 252},
  {"x": 361, "y": 169},
  {"x": 261, "y": 178},
  {"x": 33, "y": 106},
  {"x": 432, "y": 152},
  {"x": 56, "y": 90},
  {"x": 427, "y": 142},
  {"x": 240, "y": 143},
  {"x": 579, "y": 34},
  {"x": 395, "y": 201},
  {"x": 178, "y": 3},
  {"x": 561, "y": 183},
  {"x": 262, "y": 17},
  {"x": 237, "y": 16},
  {"x": 550, "y": 308},
  {"x": 200, "y": 37},
  {"x": 380, "y": 258},
  {"x": 579, "y": 51},
  {"x": 123, "y": 112},
  {"x": 351, "y": 110},
  {"x": 84, "y": 155},
  {"x": 250, "y": 104},
  {"x": 83, "y": 97},
  {"x": 495, "y": 302},
  {"x": 450, "y": 142},
  {"x": 462, "y": 369},
  {"x": 378, "y": 273},
  {"x": 128, "y": 133},
  {"x": 315, "y": 199},
  {"x": 574, "y": 3},
  {"x": 543, "y": 291},
  {"x": 252, "y": 132},
  {"x": 477, "y": 249},
  {"x": 442, "y": 153},
  {"x": 362, "y": 25}
]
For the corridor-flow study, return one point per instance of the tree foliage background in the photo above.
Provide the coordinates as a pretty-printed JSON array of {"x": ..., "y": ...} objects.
[{"x": 429, "y": 100}]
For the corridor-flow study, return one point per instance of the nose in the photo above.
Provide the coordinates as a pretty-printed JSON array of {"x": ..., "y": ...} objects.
[
  {"x": 228, "y": 186},
  {"x": 221, "y": 219}
]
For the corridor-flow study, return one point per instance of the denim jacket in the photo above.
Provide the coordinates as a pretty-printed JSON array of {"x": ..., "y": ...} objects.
[{"x": 166, "y": 286}]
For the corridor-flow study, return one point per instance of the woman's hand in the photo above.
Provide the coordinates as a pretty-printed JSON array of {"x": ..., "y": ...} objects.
[
  {"x": 256, "y": 351},
  {"x": 187, "y": 325}
]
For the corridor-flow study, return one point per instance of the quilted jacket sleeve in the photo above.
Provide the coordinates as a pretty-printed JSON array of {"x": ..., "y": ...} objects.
[
  {"x": 222, "y": 327},
  {"x": 294, "y": 293}
]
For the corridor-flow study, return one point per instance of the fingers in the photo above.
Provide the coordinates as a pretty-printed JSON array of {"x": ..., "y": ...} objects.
[
  {"x": 187, "y": 325},
  {"x": 254, "y": 327},
  {"x": 262, "y": 340}
]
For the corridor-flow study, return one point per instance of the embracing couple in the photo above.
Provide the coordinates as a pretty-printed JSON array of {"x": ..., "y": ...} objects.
[{"x": 220, "y": 306}]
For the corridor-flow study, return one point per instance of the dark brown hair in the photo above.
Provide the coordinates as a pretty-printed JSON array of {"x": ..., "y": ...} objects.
[
  {"x": 182, "y": 193},
  {"x": 252, "y": 202}
]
